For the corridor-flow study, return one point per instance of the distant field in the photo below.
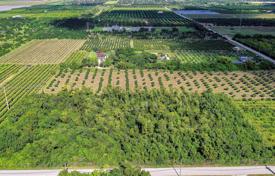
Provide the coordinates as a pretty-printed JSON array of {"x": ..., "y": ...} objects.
[
  {"x": 170, "y": 44},
  {"x": 42, "y": 52},
  {"x": 240, "y": 85},
  {"x": 112, "y": 2},
  {"x": 106, "y": 43},
  {"x": 261, "y": 16},
  {"x": 109, "y": 42},
  {"x": 50, "y": 11},
  {"x": 141, "y": 17},
  {"x": 25, "y": 2},
  {"x": 244, "y": 30}
]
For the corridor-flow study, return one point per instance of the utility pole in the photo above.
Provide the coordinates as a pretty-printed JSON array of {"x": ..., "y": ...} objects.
[
  {"x": 7, "y": 102},
  {"x": 241, "y": 21}
]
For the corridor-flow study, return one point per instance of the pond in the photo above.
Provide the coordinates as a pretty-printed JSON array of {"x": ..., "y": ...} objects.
[
  {"x": 10, "y": 7},
  {"x": 196, "y": 12}
]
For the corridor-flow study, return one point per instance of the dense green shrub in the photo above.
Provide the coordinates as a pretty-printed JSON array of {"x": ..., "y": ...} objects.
[
  {"x": 123, "y": 170},
  {"x": 146, "y": 127}
]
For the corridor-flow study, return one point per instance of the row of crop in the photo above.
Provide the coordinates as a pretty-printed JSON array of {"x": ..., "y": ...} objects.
[
  {"x": 7, "y": 70},
  {"x": 30, "y": 80},
  {"x": 76, "y": 57},
  {"x": 141, "y": 17},
  {"x": 106, "y": 43},
  {"x": 43, "y": 52},
  {"x": 196, "y": 57},
  {"x": 241, "y": 85}
]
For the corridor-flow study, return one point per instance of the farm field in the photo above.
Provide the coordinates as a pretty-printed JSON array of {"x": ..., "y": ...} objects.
[
  {"x": 141, "y": 18},
  {"x": 106, "y": 43},
  {"x": 239, "y": 85},
  {"x": 7, "y": 71},
  {"x": 244, "y": 30},
  {"x": 199, "y": 57},
  {"x": 25, "y": 2},
  {"x": 42, "y": 52},
  {"x": 136, "y": 83},
  {"x": 28, "y": 81},
  {"x": 228, "y": 16}
]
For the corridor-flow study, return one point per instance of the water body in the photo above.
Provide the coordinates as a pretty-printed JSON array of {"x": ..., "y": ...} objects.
[
  {"x": 196, "y": 12},
  {"x": 10, "y": 7}
]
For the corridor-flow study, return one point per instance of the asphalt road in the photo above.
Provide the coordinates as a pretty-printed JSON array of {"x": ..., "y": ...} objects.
[{"x": 243, "y": 170}]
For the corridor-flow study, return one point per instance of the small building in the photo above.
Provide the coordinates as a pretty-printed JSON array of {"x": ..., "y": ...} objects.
[
  {"x": 101, "y": 58},
  {"x": 17, "y": 17},
  {"x": 164, "y": 57},
  {"x": 237, "y": 49},
  {"x": 243, "y": 59}
]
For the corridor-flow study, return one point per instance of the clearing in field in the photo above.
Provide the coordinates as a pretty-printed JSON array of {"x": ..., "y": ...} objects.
[
  {"x": 240, "y": 85},
  {"x": 42, "y": 52}
]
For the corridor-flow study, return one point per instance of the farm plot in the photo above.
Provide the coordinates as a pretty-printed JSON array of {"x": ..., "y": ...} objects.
[
  {"x": 153, "y": 44},
  {"x": 30, "y": 80},
  {"x": 141, "y": 17},
  {"x": 170, "y": 44},
  {"x": 6, "y": 71},
  {"x": 106, "y": 43},
  {"x": 76, "y": 57},
  {"x": 197, "y": 57},
  {"x": 42, "y": 52},
  {"x": 240, "y": 85}
]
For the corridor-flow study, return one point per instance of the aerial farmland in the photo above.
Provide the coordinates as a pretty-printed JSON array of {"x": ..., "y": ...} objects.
[{"x": 162, "y": 84}]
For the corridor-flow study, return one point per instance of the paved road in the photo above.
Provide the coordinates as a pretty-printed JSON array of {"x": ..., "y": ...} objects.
[
  {"x": 236, "y": 43},
  {"x": 243, "y": 170},
  {"x": 233, "y": 42}
]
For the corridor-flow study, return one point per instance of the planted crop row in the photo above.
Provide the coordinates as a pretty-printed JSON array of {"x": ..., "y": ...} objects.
[
  {"x": 141, "y": 17},
  {"x": 76, "y": 57},
  {"x": 30, "y": 80},
  {"x": 195, "y": 57},
  {"x": 42, "y": 52},
  {"x": 8, "y": 70},
  {"x": 240, "y": 85},
  {"x": 106, "y": 43}
]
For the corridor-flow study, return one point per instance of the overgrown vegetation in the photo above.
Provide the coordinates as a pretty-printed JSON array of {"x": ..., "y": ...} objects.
[
  {"x": 125, "y": 169},
  {"x": 262, "y": 115},
  {"x": 146, "y": 127}
]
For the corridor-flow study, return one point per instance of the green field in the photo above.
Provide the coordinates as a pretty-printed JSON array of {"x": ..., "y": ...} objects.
[
  {"x": 156, "y": 90},
  {"x": 262, "y": 43},
  {"x": 244, "y": 30}
]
